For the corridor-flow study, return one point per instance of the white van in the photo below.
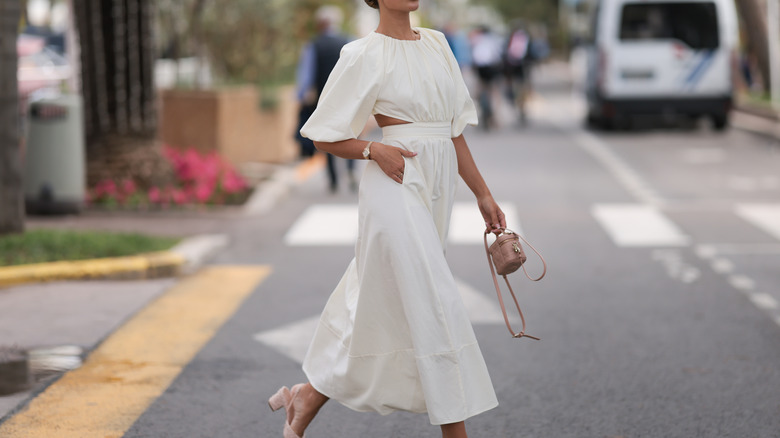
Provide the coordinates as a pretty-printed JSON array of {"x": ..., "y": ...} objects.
[{"x": 661, "y": 57}]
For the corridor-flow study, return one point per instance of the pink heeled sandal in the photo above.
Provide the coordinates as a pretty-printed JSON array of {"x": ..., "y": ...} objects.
[{"x": 283, "y": 399}]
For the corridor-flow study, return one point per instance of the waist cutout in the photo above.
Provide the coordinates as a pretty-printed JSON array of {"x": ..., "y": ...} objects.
[{"x": 418, "y": 129}]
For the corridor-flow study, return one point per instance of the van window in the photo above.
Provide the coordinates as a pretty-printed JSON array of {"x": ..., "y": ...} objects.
[{"x": 695, "y": 24}]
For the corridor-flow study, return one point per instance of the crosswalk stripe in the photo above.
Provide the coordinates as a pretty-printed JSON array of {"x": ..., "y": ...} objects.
[
  {"x": 764, "y": 216},
  {"x": 337, "y": 224},
  {"x": 325, "y": 224},
  {"x": 292, "y": 340},
  {"x": 638, "y": 225},
  {"x": 467, "y": 225}
]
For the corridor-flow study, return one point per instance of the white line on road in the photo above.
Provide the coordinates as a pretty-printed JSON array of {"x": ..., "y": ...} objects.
[
  {"x": 764, "y": 301},
  {"x": 722, "y": 266},
  {"x": 325, "y": 224},
  {"x": 742, "y": 283},
  {"x": 625, "y": 174},
  {"x": 706, "y": 251},
  {"x": 710, "y": 250},
  {"x": 636, "y": 225},
  {"x": 337, "y": 224},
  {"x": 467, "y": 225},
  {"x": 764, "y": 216},
  {"x": 292, "y": 340}
]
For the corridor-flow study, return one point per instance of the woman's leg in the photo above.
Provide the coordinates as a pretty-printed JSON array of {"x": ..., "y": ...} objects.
[
  {"x": 454, "y": 430},
  {"x": 307, "y": 401}
]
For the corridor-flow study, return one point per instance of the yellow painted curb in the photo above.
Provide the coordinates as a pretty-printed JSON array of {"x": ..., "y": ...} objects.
[
  {"x": 136, "y": 364},
  {"x": 141, "y": 266}
]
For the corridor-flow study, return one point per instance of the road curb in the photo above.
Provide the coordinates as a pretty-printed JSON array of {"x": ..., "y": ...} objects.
[
  {"x": 750, "y": 122},
  {"x": 279, "y": 185},
  {"x": 187, "y": 255}
]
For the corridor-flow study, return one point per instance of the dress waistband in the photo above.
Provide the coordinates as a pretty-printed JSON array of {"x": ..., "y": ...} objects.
[{"x": 419, "y": 129}]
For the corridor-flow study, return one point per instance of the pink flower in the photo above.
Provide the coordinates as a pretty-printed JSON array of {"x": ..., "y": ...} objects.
[
  {"x": 106, "y": 187},
  {"x": 128, "y": 187},
  {"x": 203, "y": 192},
  {"x": 178, "y": 196},
  {"x": 155, "y": 195},
  {"x": 232, "y": 182}
]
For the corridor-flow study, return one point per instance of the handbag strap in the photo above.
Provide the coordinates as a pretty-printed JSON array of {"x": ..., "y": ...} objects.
[
  {"x": 544, "y": 263},
  {"x": 521, "y": 334}
]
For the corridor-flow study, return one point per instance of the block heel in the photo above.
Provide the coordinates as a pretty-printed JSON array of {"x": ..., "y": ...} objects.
[{"x": 280, "y": 399}]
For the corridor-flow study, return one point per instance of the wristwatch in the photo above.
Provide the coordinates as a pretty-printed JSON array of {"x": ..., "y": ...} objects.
[{"x": 367, "y": 151}]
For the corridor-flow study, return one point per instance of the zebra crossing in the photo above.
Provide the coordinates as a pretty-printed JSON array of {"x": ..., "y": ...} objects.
[{"x": 626, "y": 224}]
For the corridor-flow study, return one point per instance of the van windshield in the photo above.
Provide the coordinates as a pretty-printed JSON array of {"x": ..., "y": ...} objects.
[{"x": 695, "y": 24}]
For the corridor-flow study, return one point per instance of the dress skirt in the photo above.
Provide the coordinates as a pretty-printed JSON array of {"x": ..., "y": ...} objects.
[{"x": 394, "y": 334}]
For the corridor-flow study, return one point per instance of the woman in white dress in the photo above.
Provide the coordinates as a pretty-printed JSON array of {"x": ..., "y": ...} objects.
[{"x": 394, "y": 334}]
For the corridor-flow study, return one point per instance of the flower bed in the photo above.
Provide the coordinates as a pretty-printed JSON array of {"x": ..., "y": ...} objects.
[{"x": 200, "y": 179}]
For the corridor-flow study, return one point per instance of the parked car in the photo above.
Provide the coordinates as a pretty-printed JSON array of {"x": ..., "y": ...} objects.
[{"x": 661, "y": 57}]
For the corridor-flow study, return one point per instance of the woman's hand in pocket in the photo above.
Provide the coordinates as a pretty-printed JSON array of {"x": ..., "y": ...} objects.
[{"x": 391, "y": 160}]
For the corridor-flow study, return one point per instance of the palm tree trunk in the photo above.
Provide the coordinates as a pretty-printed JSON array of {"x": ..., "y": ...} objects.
[
  {"x": 118, "y": 55},
  {"x": 11, "y": 198}
]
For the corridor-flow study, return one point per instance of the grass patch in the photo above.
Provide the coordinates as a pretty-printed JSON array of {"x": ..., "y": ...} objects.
[{"x": 39, "y": 246}]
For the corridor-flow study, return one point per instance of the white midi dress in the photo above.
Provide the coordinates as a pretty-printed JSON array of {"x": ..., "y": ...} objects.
[{"x": 394, "y": 334}]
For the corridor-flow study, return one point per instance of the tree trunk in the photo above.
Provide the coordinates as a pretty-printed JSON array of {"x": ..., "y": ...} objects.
[
  {"x": 11, "y": 198},
  {"x": 117, "y": 62},
  {"x": 755, "y": 25}
]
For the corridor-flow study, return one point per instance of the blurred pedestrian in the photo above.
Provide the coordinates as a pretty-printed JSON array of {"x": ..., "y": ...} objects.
[
  {"x": 486, "y": 56},
  {"x": 317, "y": 60},
  {"x": 459, "y": 43},
  {"x": 395, "y": 334},
  {"x": 517, "y": 66}
]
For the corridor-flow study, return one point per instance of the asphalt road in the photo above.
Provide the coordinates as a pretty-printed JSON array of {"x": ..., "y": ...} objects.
[{"x": 658, "y": 317}]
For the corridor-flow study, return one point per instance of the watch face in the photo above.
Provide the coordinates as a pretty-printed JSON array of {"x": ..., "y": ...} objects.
[{"x": 365, "y": 153}]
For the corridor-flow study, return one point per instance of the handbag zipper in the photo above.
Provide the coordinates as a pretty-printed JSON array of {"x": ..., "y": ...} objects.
[{"x": 515, "y": 247}]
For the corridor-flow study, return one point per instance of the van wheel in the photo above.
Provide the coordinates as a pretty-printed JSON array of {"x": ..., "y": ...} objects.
[
  {"x": 592, "y": 122},
  {"x": 719, "y": 122}
]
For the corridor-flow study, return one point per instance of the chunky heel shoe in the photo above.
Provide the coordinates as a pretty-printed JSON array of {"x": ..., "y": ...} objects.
[
  {"x": 283, "y": 399},
  {"x": 280, "y": 399}
]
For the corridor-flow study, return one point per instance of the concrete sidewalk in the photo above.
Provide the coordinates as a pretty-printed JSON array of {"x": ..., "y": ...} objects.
[
  {"x": 74, "y": 314},
  {"x": 58, "y": 323}
]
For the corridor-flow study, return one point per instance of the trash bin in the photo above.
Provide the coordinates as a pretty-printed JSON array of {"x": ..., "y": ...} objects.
[{"x": 54, "y": 164}]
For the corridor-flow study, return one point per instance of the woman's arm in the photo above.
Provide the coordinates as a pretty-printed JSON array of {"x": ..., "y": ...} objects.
[
  {"x": 389, "y": 158},
  {"x": 491, "y": 212}
]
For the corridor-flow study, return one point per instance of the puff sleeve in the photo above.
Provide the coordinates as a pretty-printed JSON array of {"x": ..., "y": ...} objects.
[
  {"x": 349, "y": 95},
  {"x": 464, "y": 111}
]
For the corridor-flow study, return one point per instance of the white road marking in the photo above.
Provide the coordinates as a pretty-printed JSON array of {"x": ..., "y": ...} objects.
[
  {"x": 625, "y": 174},
  {"x": 706, "y": 251},
  {"x": 325, "y": 224},
  {"x": 337, "y": 224},
  {"x": 764, "y": 216},
  {"x": 467, "y": 225},
  {"x": 703, "y": 155},
  {"x": 709, "y": 251},
  {"x": 742, "y": 282},
  {"x": 639, "y": 225},
  {"x": 675, "y": 266},
  {"x": 292, "y": 340},
  {"x": 764, "y": 301},
  {"x": 722, "y": 266}
]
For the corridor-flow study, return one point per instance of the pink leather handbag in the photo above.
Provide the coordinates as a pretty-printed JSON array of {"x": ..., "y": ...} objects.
[{"x": 507, "y": 255}]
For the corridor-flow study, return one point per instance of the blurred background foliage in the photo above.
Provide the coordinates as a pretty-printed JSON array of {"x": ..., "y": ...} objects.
[
  {"x": 538, "y": 11},
  {"x": 245, "y": 41}
]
